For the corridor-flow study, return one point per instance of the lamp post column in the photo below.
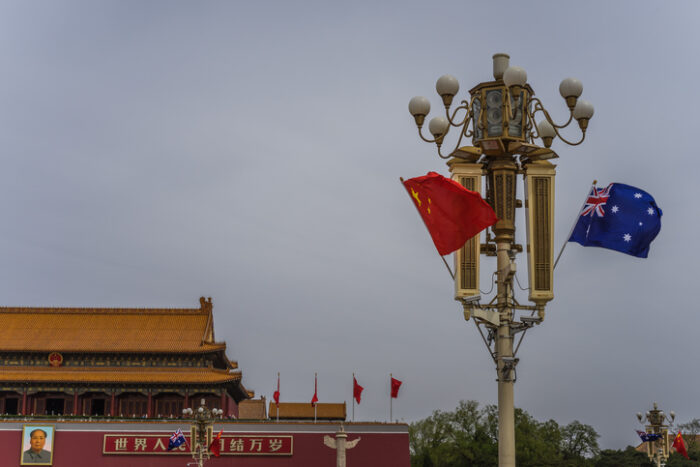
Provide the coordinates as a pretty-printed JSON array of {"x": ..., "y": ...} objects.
[
  {"x": 501, "y": 176},
  {"x": 504, "y": 349}
]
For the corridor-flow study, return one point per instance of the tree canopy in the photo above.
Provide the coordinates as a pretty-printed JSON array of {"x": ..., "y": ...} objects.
[{"x": 468, "y": 436}]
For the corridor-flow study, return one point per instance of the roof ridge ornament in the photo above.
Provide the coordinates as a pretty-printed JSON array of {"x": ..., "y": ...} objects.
[{"x": 205, "y": 304}]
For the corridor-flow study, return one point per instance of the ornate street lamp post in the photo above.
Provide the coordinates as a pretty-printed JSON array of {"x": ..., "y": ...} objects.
[
  {"x": 201, "y": 431},
  {"x": 655, "y": 424},
  {"x": 499, "y": 117}
]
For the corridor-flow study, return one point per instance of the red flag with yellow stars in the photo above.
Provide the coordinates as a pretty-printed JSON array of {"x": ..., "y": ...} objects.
[
  {"x": 679, "y": 445},
  {"x": 215, "y": 446},
  {"x": 451, "y": 213}
]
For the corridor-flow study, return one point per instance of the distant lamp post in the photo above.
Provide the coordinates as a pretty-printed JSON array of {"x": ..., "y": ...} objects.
[
  {"x": 500, "y": 119},
  {"x": 201, "y": 431},
  {"x": 654, "y": 422}
]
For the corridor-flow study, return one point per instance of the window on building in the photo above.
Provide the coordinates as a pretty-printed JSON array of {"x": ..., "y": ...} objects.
[
  {"x": 132, "y": 405},
  {"x": 97, "y": 407},
  {"x": 55, "y": 406},
  {"x": 12, "y": 406}
]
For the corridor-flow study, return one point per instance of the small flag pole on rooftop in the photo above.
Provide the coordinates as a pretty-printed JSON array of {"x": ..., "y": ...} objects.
[
  {"x": 353, "y": 397},
  {"x": 390, "y": 399}
]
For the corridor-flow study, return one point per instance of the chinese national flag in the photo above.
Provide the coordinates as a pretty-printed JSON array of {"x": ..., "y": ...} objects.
[
  {"x": 451, "y": 213},
  {"x": 215, "y": 446},
  {"x": 315, "y": 398},
  {"x": 395, "y": 385},
  {"x": 356, "y": 390},
  {"x": 679, "y": 445},
  {"x": 276, "y": 394}
]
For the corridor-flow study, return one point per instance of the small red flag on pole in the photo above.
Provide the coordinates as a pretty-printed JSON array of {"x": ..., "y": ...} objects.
[
  {"x": 276, "y": 395},
  {"x": 395, "y": 385},
  {"x": 215, "y": 446},
  {"x": 394, "y": 393},
  {"x": 315, "y": 398},
  {"x": 679, "y": 445},
  {"x": 356, "y": 390},
  {"x": 451, "y": 213}
]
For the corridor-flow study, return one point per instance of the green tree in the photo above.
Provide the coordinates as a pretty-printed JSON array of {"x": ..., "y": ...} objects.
[
  {"x": 536, "y": 443},
  {"x": 468, "y": 436},
  {"x": 475, "y": 440},
  {"x": 630, "y": 457},
  {"x": 427, "y": 439},
  {"x": 452, "y": 439},
  {"x": 579, "y": 441}
]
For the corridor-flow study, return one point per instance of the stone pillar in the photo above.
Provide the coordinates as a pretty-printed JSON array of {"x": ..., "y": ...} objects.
[{"x": 341, "y": 445}]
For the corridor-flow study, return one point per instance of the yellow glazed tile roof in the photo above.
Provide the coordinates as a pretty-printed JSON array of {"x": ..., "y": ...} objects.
[
  {"x": 252, "y": 409},
  {"x": 118, "y": 375},
  {"x": 304, "y": 410},
  {"x": 108, "y": 329}
]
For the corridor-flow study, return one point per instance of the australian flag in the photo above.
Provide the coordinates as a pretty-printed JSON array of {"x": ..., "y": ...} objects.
[
  {"x": 619, "y": 217},
  {"x": 176, "y": 439},
  {"x": 648, "y": 436}
]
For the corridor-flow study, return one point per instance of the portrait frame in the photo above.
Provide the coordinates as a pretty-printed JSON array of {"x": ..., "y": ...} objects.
[{"x": 46, "y": 449}]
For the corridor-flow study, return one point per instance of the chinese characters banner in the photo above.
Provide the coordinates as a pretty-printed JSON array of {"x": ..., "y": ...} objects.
[{"x": 230, "y": 445}]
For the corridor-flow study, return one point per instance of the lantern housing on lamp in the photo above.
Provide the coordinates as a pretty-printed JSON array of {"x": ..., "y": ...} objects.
[
  {"x": 539, "y": 212},
  {"x": 499, "y": 116},
  {"x": 466, "y": 259}
]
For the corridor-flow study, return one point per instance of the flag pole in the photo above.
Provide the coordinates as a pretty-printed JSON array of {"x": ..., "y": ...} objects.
[
  {"x": 278, "y": 405},
  {"x": 353, "y": 397},
  {"x": 315, "y": 394},
  {"x": 449, "y": 270},
  {"x": 391, "y": 414},
  {"x": 573, "y": 226}
]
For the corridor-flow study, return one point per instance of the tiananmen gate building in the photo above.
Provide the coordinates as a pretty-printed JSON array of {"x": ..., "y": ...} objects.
[{"x": 107, "y": 387}]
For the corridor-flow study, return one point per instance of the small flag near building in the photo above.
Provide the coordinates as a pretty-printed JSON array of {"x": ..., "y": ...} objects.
[
  {"x": 276, "y": 394},
  {"x": 451, "y": 213},
  {"x": 215, "y": 446},
  {"x": 315, "y": 398},
  {"x": 679, "y": 445},
  {"x": 356, "y": 390},
  {"x": 176, "y": 440},
  {"x": 648, "y": 436},
  {"x": 395, "y": 385},
  {"x": 618, "y": 217}
]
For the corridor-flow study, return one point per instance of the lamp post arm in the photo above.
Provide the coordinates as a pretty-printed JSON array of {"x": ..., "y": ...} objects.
[
  {"x": 420, "y": 133},
  {"x": 464, "y": 105},
  {"x": 462, "y": 134},
  {"x": 540, "y": 108}
]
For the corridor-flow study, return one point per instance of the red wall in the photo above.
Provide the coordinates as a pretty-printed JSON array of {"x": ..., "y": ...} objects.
[{"x": 381, "y": 445}]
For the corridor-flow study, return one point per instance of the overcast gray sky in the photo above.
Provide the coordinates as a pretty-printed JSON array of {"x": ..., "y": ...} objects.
[{"x": 153, "y": 152}]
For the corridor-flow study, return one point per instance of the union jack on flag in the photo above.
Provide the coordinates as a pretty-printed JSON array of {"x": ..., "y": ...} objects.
[
  {"x": 176, "y": 439},
  {"x": 595, "y": 202}
]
